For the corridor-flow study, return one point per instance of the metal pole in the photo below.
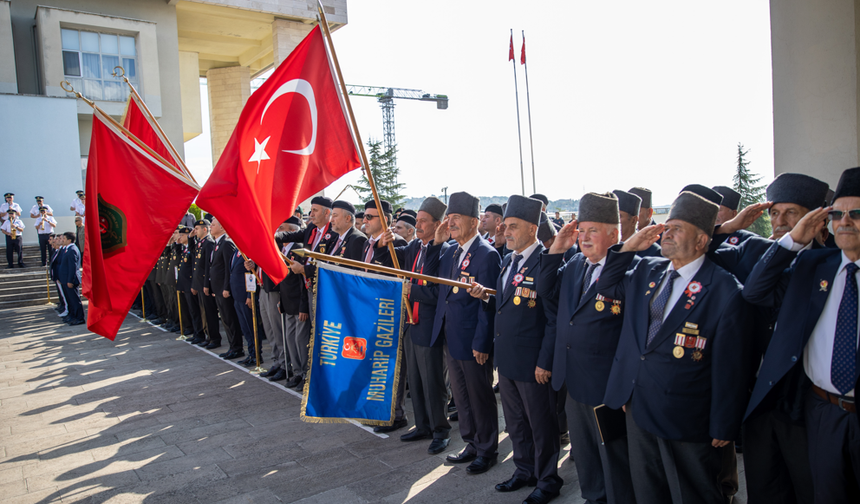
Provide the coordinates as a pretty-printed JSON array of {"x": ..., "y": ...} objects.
[
  {"x": 143, "y": 304},
  {"x": 48, "y": 285},
  {"x": 257, "y": 369},
  {"x": 528, "y": 103},
  {"x": 519, "y": 134}
]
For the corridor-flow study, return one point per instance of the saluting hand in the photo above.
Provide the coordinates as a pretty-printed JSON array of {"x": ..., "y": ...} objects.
[
  {"x": 478, "y": 291},
  {"x": 808, "y": 227},
  {"x": 442, "y": 232},
  {"x": 500, "y": 235},
  {"x": 744, "y": 218},
  {"x": 643, "y": 239},
  {"x": 565, "y": 238}
]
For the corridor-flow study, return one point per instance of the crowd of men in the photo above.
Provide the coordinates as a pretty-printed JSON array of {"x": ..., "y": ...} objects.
[{"x": 652, "y": 348}]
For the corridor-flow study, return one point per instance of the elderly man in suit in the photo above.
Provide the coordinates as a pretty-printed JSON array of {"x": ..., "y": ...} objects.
[
  {"x": 629, "y": 207},
  {"x": 350, "y": 241},
  {"x": 467, "y": 330},
  {"x": 817, "y": 296},
  {"x": 588, "y": 327},
  {"x": 219, "y": 288},
  {"x": 523, "y": 353},
  {"x": 679, "y": 371}
]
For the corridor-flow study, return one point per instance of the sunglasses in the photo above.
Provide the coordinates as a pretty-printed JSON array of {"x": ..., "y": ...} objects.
[
  {"x": 369, "y": 217},
  {"x": 837, "y": 215}
]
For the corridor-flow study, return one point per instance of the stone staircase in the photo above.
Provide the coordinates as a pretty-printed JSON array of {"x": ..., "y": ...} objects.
[{"x": 24, "y": 286}]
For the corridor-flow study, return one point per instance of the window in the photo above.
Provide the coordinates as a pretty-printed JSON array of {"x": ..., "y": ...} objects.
[{"x": 89, "y": 59}]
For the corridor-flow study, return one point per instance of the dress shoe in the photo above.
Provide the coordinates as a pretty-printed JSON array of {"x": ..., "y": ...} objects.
[
  {"x": 212, "y": 346},
  {"x": 454, "y": 417},
  {"x": 155, "y": 321},
  {"x": 514, "y": 484},
  {"x": 539, "y": 496},
  {"x": 203, "y": 342},
  {"x": 280, "y": 375},
  {"x": 245, "y": 361},
  {"x": 224, "y": 354},
  {"x": 482, "y": 464},
  {"x": 300, "y": 386},
  {"x": 398, "y": 424},
  {"x": 9, "y": 267},
  {"x": 271, "y": 372},
  {"x": 195, "y": 340},
  {"x": 237, "y": 354},
  {"x": 462, "y": 457},
  {"x": 437, "y": 446},
  {"x": 22, "y": 265},
  {"x": 292, "y": 382},
  {"x": 76, "y": 322},
  {"x": 67, "y": 319},
  {"x": 415, "y": 435}
]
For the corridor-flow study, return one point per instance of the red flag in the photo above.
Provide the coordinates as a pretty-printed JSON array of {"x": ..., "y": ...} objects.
[
  {"x": 523, "y": 52},
  {"x": 138, "y": 201},
  {"x": 137, "y": 121},
  {"x": 511, "y": 50},
  {"x": 292, "y": 140}
]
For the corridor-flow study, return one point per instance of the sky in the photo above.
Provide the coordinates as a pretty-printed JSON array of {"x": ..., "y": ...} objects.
[{"x": 624, "y": 93}]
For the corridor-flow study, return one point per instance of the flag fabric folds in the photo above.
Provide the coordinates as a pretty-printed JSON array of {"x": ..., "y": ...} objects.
[
  {"x": 292, "y": 140},
  {"x": 138, "y": 201},
  {"x": 354, "y": 347},
  {"x": 523, "y": 52},
  {"x": 511, "y": 49},
  {"x": 137, "y": 121}
]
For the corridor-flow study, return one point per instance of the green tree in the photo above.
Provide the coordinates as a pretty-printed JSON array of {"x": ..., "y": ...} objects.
[
  {"x": 745, "y": 183},
  {"x": 384, "y": 171},
  {"x": 196, "y": 211}
]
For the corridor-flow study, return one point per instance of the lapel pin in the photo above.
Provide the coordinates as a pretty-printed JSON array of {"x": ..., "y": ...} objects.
[{"x": 823, "y": 286}]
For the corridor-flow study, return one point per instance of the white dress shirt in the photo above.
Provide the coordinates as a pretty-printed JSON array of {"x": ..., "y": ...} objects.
[
  {"x": 466, "y": 246},
  {"x": 19, "y": 224},
  {"x": 5, "y": 208},
  {"x": 50, "y": 224},
  {"x": 35, "y": 210},
  {"x": 687, "y": 273},
  {"x": 596, "y": 274}
]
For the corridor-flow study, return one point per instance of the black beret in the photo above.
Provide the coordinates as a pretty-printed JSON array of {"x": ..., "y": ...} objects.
[
  {"x": 849, "y": 184},
  {"x": 359, "y": 215},
  {"x": 731, "y": 198},
  {"x": 705, "y": 192},
  {"x": 434, "y": 207},
  {"x": 322, "y": 201},
  {"x": 386, "y": 206},
  {"x": 344, "y": 205},
  {"x": 463, "y": 203},
  {"x": 545, "y": 229},
  {"x": 407, "y": 219},
  {"x": 797, "y": 188},
  {"x": 496, "y": 209},
  {"x": 540, "y": 197},
  {"x": 628, "y": 202},
  {"x": 208, "y": 216},
  {"x": 527, "y": 209},
  {"x": 698, "y": 211},
  {"x": 643, "y": 193},
  {"x": 203, "y": 222},
  {"x": 602, "y": 208},
  {"x": 413, "y": 213},
  {"x": 293, "y": 220},
  {"x": 40, "y": 197}
]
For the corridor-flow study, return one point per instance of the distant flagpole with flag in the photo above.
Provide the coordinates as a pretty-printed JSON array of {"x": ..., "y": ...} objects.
[
  {"x": 528, "y": 103},
  {"x": 513, "y": 61}
]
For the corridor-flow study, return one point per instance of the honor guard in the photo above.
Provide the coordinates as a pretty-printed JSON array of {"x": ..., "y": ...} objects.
[
  {"x": 210, "y": 338},
  {"x": 680, "y": 368},
  {"x": 523, "y": 353},
  {"x": 45, "y": 225},
  {"x": 12, "y": 227}
]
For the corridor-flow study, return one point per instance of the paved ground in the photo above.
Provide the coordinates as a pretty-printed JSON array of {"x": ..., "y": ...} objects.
[{"x": 150, "y": 419}]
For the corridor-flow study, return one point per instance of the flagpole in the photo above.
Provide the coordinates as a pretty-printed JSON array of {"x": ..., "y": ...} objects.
[
  {"x": 364, "y": 163},
  {"x": 173, "y": 150},
  {"x": 384, "y": 269},
  {"x": 528, "y": 103},
  {"x": 517, "y": 97}
]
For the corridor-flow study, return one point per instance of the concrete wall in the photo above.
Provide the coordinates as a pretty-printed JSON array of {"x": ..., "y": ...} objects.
[
  {"x": 189, "y": 83},
  {"x": 50, "y": 165},
  {"x": 8, "y": 74},
  {"x": 335, "y": 10},
  {"x": 815, "y": 87}
]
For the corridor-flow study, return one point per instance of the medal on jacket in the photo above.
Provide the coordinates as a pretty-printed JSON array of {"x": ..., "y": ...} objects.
[
  {"x": 599, "y": 306},
  {"x": 517, "y": 300},
  {"x": 678, "y": 352}
]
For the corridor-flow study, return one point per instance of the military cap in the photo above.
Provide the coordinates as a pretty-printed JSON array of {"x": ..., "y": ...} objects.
[
  {"x": 359, "y": 215},
  {"x": 10, "y": 211},
  {"x": 849, "y": 184},
  {"x": 540, "y": 197},
  {"x": 797, "y": 188},
  {"x": 731, "y": 198},
  {"x": 184, "y": 230},
  {"x": 79, "y": 192},
  {"x": 698, "y": 211},
  {"x": 643, "y": 193},
  {"x": 527, "y": 209},
  {"x": 413, "y": 213},
  {"x": 705, "y": 192},
  {"x": 344, "y": 205},
  {"x": 496, "y": 209},
  {"x": 208, "y": 216},
  {"x": 8, "y": 194},
  {"x": 408, "y": 219},
  {"x": 386, "y": 206},
  {"x": 43, "y": 209},
  {"x": 545, "y": 229},
  {"x": 299, "y": 211},
  {"x": 323, "y": 201},
  {"x": 434, "y": 207},
  {"x": 602, "y": 208},
  {"x": 203, "y": 222},
  {"x": 463, "y": 203},
  {"x": 628, "y": 202},
  {"x": 39, "y": 198}
]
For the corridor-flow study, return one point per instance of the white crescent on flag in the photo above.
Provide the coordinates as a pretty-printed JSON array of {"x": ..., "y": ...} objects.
[{"x": 305, "y": 89}]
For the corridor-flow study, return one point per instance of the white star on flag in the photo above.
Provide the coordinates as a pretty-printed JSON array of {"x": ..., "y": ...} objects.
[{"x": 259, "y": 153}]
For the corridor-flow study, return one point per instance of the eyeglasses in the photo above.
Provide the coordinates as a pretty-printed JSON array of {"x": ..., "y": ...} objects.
[
  {"x": 368, "y": 217},
  {"x": 837, "y": 215}
]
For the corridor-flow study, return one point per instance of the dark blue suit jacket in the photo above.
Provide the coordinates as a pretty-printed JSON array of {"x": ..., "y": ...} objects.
[
  {"x": 798, "y": 294},
  {"x": 523, "y": 338},
  {"x": 237, "y": 277},
  {"x": 679, "y": 398},
  {"x": 467, "y": 325},
  {"x": 56, "y": 259},
  {"x": 70, "y": 263},
  {"x": 585, "y": 339},
  {"x": 425, "y": 294}
]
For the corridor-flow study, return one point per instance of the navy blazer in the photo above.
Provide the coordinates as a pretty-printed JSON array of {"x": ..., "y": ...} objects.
[
  {"x": 70, "y": 264},
  {"x": 219, "y": 266},
  {"x": 236, "y": 284},
  {"x": 523, "y": 338},
  {"x": 586, "y": 337},
  {"x": 798, "y": 293},
  {"x": 56, "y": 259},
  {"x": 426, "y": 294},
  {"x": 352, "y": 245},
  {"x": 679, "y": 398},
  {"x": 467, "y": 325}
]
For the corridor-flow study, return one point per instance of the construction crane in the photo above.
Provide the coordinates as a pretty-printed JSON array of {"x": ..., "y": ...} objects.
[{"x": 385, "y": 96}]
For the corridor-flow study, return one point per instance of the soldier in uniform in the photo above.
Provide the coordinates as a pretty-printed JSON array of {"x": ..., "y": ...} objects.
[
  {"x": 467, "y": 329},
  {"x": 219, "y": 288},
  {"x": 207, "y": 305},
  {"x": 587, "y": 328},
  {"x": 12, "y": 227},
  {"x": 629, "y": 206},
  {"x": 36, "y": 209},
  {"x": 188, "y": 306},
  {"x": 45, "y": 225},
  {"x": 680, "y": 368},
  {"x": 523, "y": 353}
]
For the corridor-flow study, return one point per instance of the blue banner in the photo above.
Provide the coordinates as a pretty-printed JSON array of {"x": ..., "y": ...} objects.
[{"x": 354, "y": 348}]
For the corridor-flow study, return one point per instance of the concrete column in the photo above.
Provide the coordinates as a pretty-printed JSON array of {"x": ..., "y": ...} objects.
[
  {"x": 815, "y": 87},
  {"x": 189, "y": 86},
  {"x": 286, "y": 35},
  {"x": 229, "y": 89},
  {"x": 8, "y": 73}
]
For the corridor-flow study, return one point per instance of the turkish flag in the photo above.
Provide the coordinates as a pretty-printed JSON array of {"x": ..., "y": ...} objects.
[
  {"x": 523, "y": 52},
  {"x": 138, "y": 201},
  {"x": 292, "y": 141},
  {"x": 138, "y": 123},
  {"x": 511, "y": 49}
]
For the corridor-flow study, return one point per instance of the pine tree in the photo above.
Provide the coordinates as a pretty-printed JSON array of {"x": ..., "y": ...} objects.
[
  {"x": 745, "y": 184},
  {"x": 384, "y": 171}
]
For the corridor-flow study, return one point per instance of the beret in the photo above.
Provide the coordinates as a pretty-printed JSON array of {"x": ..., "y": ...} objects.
[
  {"x": 344, "y": 205},
  {"x": 386, "y": 206},
  {"x": 496, "y": 209},
  {"x": 323, "y": 201},
  {"x": 540, "y": 197},
  {"x": 293, "y": 220},
  {"x": 408, "y": 219},
  {"x": 731, "y": 198}
]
